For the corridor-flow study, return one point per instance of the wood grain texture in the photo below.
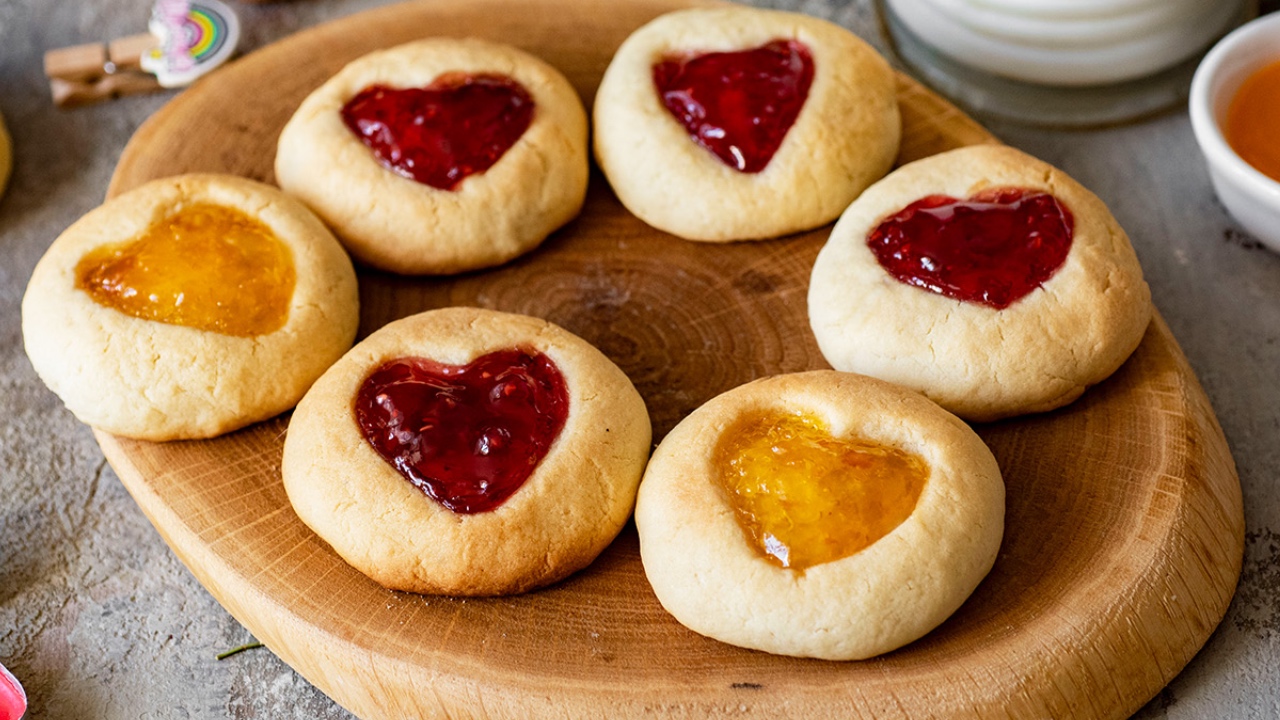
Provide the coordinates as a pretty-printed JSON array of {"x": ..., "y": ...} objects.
[{"x": 1124, "y": 528}]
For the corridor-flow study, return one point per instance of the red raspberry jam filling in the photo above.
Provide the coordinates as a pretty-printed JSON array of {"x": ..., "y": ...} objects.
[
  {"x": 457, "y": 126},
  {"x": 993, "y": 249},
  {"x": 738, "y": 105},
  {"x": 466, "y": 435}
]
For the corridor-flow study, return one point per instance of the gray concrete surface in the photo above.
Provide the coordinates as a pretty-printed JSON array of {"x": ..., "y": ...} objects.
[{"x": 99, "y": 620}]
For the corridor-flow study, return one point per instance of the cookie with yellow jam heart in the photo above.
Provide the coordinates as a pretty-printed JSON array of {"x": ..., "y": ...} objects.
[
  {"x": 821, "y": 514},
  {"x": 189, "y": 307}
]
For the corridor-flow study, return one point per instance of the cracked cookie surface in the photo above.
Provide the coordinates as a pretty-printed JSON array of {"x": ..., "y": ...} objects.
[
  {"x": 392, "y": 222},
  {"x": 159, "y": 381},
  {"x": 573, "y": 503},
  {"x": 844, "y": 138},
  {"x": 915, "y": 572},
  {"x": 1037, "y": 354}
]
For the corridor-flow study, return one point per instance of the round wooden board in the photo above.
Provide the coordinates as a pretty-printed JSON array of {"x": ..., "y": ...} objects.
[{"x": 1124, "y": 529}]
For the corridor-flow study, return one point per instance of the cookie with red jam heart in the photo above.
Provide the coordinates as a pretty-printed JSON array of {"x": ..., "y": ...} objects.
[
  {"x": 741, "y": 124},
  {"x": 439, "y": 156},
  {"x": 468, "y": 452},
  {"x": 984, "y": 278},
  {"x": 820, "y": 514}
]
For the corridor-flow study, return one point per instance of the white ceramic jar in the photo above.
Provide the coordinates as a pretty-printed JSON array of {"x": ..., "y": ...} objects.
[
  {"x": 1059, "y": 63},
  {"x": 1067, "y": 42},
  {"x": 1250, "y": 196}
]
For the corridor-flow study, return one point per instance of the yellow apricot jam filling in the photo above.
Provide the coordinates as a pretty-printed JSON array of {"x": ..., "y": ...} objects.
[
  {"x": 206, "y": 266},
  {"x": 804, "y": 498}
]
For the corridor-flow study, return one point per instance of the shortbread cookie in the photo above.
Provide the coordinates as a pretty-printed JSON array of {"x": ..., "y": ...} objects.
[
  {"x": 821, "y": 514},
  {"x": 439, "y": 156},
  {"x": 468, "y": 452},
  {"x": 189, "y": 307},
  {"x": 740, "y": 124},
  {"x": 984, "y": 278}
]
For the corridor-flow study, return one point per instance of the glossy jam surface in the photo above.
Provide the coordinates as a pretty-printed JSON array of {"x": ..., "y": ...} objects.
[
  {"x": 804, "y": 498},
  {"x": 738, "y": 105},
  {"x": 206, "y": 266},
  {"x": 993, "y": 249},
  {"x": 1252, "y": 127},
  {"x": 438, "y": 135},
  {"x": 466, "y": 435}
]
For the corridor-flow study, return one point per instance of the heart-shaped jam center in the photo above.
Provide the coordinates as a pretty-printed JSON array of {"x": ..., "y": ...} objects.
[
  {"x": 466, "y": 435},
  {"x": 804, "y": 498},
  {"x": 993, "y": 249},
  {"x": 438, "y": 135},
  {"x": 738, "y": 105},
  {"x": 206, "y": 266}
]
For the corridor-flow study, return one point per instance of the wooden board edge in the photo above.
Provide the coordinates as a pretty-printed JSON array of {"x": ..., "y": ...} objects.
[
  {"x": 287, "y": 634},
  {"x": 1208, "y": 560},
  {"x": 1212, "y": 557}
]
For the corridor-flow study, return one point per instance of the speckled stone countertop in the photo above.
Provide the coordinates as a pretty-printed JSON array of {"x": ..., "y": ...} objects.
[{"x": 100, "y": 620}]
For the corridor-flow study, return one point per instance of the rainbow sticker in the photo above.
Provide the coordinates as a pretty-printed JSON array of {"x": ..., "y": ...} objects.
[{"x": 195, "y": 37}]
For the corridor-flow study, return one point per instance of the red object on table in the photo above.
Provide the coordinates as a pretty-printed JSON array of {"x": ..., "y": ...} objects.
[{"x": 13, "y": 700}]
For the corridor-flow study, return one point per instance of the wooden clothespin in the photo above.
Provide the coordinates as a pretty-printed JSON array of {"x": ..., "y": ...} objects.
[
  {"x": 188, "y": 38},
  {"x": 99, "y": 71}
]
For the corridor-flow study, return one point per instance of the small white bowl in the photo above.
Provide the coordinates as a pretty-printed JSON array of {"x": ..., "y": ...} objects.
[{"x": 1251, "y": 197}]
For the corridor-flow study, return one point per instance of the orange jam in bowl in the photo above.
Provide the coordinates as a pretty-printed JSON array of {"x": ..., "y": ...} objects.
[
  {"x": 804, "y": 498},
  {"x": 1252, "y": 126},
  {"x": 205, "y": 266}
]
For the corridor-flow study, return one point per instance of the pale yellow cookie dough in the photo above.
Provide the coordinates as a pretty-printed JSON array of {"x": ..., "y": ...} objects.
[
  {"x": 845, "y": 138},
  {"x": 156, "y": 381},
  {"x": 983, "y": 364},
  {"x": 393, "y": 223},
  {"x": 570, "y": 508},
  {"x": 708, "y": 575}
]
